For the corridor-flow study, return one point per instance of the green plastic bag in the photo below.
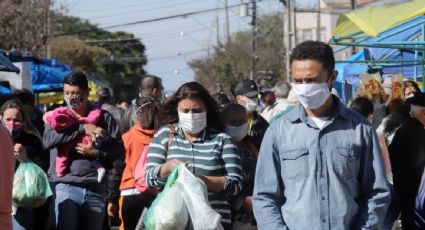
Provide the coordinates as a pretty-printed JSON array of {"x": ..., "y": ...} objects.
[
  {"x": 30, "y": 186},
  {"x": 168, "y": 210}
]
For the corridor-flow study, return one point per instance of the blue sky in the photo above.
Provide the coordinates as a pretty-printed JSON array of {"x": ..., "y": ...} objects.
[{"x": 170, "y": 44}]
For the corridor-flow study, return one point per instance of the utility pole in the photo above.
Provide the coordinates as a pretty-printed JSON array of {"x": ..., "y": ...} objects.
[
  {"x": 288, "y": 38},
  {"x": 217, "y": 22},
  {"x": 47, "y": 29},
  {"x": 284, "y": 40},
  {"x": 294, "y": 24},
  {"x": 227, "y": 21},
  {"x": 318, "y": 21},
  {"x": 254, "y": 39}
]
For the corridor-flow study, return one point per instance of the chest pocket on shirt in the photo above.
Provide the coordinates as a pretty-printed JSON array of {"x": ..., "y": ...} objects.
[
  {"x": 295, "y": 163},
  {"x": 346, "y": 162}
]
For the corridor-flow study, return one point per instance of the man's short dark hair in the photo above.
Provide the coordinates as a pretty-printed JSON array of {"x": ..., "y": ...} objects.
[
  {"x": 363, "y": 106},
  {"x": 315, "y": 50},
  {"x": 77, "y": 79},
  {"x": 149, "y": 83}
]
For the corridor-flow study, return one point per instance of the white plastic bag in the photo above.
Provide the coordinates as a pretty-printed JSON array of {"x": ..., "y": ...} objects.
[
  {"x": 171, "y": 212},
  {"x": 194, "y": 193}
]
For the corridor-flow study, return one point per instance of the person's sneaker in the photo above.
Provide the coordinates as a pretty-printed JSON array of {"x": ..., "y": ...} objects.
[{"x": 100, "y": 174}]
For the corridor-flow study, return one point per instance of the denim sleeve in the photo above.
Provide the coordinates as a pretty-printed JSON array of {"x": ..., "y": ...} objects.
[
  {"x": 268, "y": 187},
  {"x": 374, "y": 188}
]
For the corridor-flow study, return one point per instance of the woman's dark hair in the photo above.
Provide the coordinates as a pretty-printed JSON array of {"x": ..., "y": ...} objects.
[
  {"x": 77, "y": 79},
  {"x": 194, "y": 90},
  {"x": 149, "y": 113},
  {"x": 24, "y": 95},
  {"x": 13, "y": 104},
  {"x": 363, "y": 106},
  {"x": 411, "y": 83}
]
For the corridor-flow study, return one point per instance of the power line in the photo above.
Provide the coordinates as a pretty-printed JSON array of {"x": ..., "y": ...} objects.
[
  {"x": 141, "y": 10},
  {"x": 175, "y": 30},
  {"x": 121, "y": 6},
  {"x": 167, "y": 35},
  {"x": 146, "y": 21},
  {"x": 204, "y": 26},
  {"x": 176, "y": 56},
  {"x": 113, "y": 40}
]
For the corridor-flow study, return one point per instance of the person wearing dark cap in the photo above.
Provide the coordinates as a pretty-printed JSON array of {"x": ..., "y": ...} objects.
[
  {"x": 407, "y": 156},
  {"x": 246, "y": 93},
  {"x": 106, "y": 102}
]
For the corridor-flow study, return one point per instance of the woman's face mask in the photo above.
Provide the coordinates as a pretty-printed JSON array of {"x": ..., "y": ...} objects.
[
  {"x": 12, "y": 121},
  {"x": 193, "y": 123},
  {"x": 13, "y": 127}
]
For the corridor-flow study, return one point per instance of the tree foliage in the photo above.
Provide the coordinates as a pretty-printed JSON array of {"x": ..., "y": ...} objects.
[
  {"x": 232, "y": 62},
  {"x": 22, "y": 24},
  {"x": 74, "y": 52},
  {"x": 116, "y": 58}
]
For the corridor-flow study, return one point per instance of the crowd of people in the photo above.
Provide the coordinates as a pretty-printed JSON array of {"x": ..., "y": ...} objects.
[{"x": 294, "y": 157}]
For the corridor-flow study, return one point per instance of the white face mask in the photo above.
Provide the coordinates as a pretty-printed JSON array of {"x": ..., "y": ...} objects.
[
  {"x": 251, "y": 105},
  {"x": 193, "y": 123},
  {"x": 237, "y": 133},
  {"x": 312, "y": 96}
]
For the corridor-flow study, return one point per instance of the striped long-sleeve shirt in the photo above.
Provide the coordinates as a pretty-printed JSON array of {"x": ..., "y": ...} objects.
[{"x": 213, "y": 154}]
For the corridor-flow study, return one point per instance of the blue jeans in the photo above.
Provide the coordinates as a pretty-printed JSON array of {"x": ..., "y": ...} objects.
[
  {"x": 80, "y": 207},
  {"x": 23, "y": 219}
]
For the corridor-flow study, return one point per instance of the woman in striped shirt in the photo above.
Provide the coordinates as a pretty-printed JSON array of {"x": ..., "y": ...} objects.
[{"x": 198, "y": 139}]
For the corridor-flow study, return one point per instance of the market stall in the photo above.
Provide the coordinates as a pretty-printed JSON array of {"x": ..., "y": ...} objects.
[{"x": 392, "y": 38}]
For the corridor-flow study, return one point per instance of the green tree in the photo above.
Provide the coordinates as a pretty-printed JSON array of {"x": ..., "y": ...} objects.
[
  {"x": 232, "y": 62},
  {"x": 22, "y": 24},
  {"x": 116, "y": 58}
]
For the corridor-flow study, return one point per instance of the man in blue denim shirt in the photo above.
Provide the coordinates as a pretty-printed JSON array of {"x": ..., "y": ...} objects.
[{"x": 320, "y": 165}]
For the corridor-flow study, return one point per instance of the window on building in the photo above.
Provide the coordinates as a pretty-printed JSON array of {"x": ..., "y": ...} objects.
[
  {"x": 323, "y": 34},
  {"x": 307, "y": 35}
]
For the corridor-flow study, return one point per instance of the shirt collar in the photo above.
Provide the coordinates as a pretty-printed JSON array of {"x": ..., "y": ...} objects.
[
  {"x": 201, "y": 138},
  {"x": 339, "y": 110}
]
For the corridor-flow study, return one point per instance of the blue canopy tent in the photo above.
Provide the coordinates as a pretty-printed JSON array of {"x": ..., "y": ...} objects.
[
  {"x": 47, "y": 75},
  {"x": 4, "y": 90},
  {"x": 396, "y": 50}
]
